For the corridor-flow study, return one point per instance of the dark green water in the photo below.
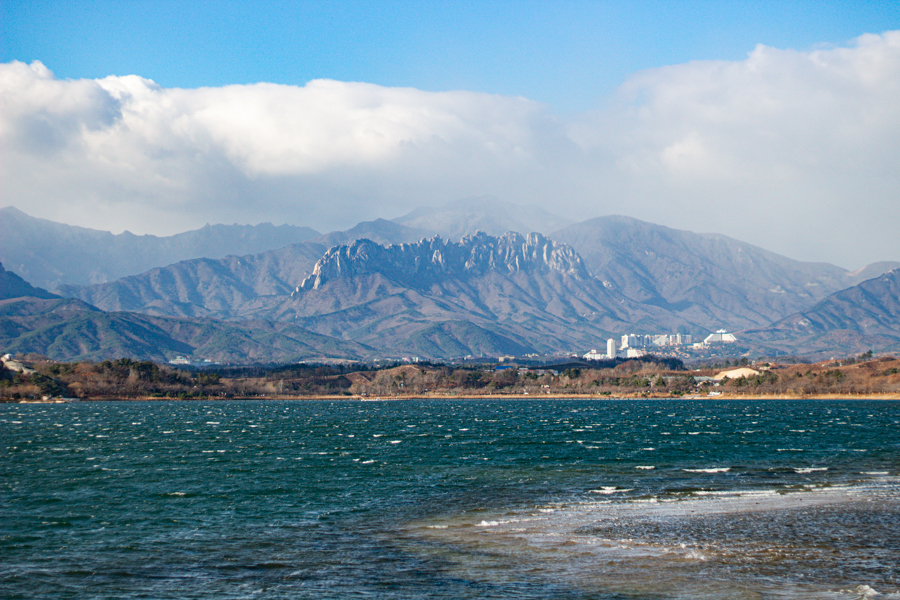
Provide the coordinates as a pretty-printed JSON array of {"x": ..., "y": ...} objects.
[{"x": 451, "y": 499}]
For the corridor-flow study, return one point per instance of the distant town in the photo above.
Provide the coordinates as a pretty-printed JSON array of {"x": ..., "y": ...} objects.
[
  {"x": 634, "y": 346},
  {"x": 629, "y": 346}
]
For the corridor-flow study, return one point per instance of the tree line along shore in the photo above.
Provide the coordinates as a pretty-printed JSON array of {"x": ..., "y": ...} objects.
[{"x": 40, "y": 379}]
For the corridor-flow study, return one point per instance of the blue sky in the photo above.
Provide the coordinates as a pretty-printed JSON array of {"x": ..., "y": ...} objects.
[
  {"x": 570, "y": 55},
  {"x": 776, "y": 123}
]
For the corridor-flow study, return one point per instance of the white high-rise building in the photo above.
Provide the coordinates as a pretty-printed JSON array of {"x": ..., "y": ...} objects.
[
  {"x": 632, "y": 341},
  {"x": 610, "y": 348}
]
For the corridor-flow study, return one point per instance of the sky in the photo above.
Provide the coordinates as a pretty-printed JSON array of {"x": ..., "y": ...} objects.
[{"x": 776, "y": 123}]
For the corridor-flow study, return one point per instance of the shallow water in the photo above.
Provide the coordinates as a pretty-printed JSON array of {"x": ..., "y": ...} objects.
[{"x": 604, "y": 499}]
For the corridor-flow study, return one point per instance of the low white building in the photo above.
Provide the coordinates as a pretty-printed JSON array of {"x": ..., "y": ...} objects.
[{"x": 720, "y": 336}]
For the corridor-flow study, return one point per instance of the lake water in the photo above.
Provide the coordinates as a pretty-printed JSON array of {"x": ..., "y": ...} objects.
[{"x": 605, "y": 499}]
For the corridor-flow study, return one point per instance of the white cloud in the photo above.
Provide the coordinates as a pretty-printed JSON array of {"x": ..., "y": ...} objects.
[
  {"x": 796, "y": 151},
  {"x": 791, "y": 150}
]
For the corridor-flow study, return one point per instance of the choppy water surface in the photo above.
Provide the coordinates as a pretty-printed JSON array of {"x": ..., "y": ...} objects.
[{"x": 608, "y": 499}]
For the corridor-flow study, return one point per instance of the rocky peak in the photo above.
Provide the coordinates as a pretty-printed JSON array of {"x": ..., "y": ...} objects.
[{"x": 433, "y": 259}]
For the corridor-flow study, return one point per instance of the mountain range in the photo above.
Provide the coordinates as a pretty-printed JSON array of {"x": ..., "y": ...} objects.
[
  {"x": 860, "y": 318},
  {"x": 69, "y": 329},
  {"x": 707, "y": 281},
  {"x": 49, "y": 254},
  {"x": 526, "y": 288},
  {"x": 397, "y": 287}
]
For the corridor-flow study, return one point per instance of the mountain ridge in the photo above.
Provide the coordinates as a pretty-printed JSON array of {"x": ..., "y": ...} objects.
[
  {"x": 430, "y": 259},
  {"x": 702, "y": 277},
  {"x": 50, "y": 254},
  {"x": 13, "y": 286},
  {"x": 68, "y": 329},
  {"x": 858, "y": 318}
]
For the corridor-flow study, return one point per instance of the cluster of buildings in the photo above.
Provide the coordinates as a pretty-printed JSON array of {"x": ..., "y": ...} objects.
[
  {"x": 189, "y": 362},
  {"x": 633, "y": 346}
]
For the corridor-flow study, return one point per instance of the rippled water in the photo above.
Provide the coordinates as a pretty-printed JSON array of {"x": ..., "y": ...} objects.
[{"x": 607, "y": 499}]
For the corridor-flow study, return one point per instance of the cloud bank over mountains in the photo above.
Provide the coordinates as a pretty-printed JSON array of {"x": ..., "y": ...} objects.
[{"x": 795, "y": 151}]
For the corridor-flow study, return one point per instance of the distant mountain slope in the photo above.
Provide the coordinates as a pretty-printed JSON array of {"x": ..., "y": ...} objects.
[
  {"x": 204, "y": 287},
  {"x": 50, "y": 254},
  {"x": 524, "y": 292},
  {"x": 863, "y": 317},
  {"x": 461, "y": 338},
  {"x": 871, "y": 271},
  {"x": 379, "y": 231},
  {"x": 13, "y": 286},
  {"x": 67, "y": 329},
  {"x": 704, "y": 278},
  {"x": 454, "y": 220}
]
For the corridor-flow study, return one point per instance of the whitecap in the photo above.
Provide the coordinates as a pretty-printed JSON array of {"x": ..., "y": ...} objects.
[
  {"x": 645, "y": 467},
  {"x": 488, "y": 524},
  {"x": 809, "y": 469},
  {"x": 709, "y": 470},
  {"x": 611, "y": 490}
]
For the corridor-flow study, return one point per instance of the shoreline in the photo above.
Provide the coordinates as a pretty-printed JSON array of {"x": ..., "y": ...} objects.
[{"x": 403, "y": 397}]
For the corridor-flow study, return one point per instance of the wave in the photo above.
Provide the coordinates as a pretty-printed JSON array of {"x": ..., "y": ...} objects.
[
  {"x": 611, "y": 490},
  {"x": 708, "y": 470}
]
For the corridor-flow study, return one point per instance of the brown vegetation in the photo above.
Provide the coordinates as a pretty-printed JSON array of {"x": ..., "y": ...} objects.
[{"x": 128, "y": 379}]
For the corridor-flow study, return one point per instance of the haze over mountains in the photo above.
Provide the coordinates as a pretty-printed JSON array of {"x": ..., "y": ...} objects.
[
  {"x": 412, "y": 286},
  {"x": 488, "y": 214},
  {"x": 49, "y": 254}
]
